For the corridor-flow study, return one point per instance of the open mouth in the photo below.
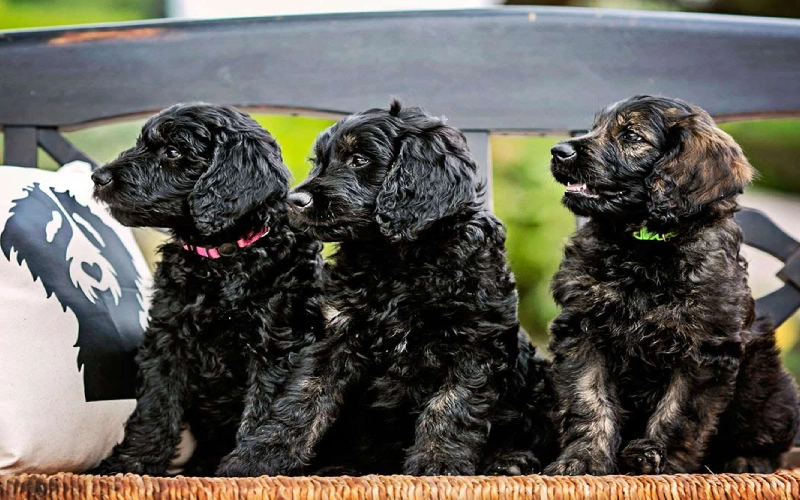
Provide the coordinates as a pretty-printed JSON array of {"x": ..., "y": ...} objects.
[{"x": 581, "y": 189}]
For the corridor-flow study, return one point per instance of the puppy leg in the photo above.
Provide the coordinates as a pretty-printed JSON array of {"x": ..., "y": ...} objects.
[
  {"x": 213, "y": 443},
  {"x": 453, "y": 428},
  {"x": 524, "y": 437},
  {"x": 755, "y": 443},
  {"x": 266, "y": 377},
  {"x": 522, "y": 448},
  {"x": 511, "y": 447},
  {"x": 153, "y": 431},
  {"x": 589, "y": 414},
  {"x": 679, "y": 430},
  {"x": 761, "y": 422},
  {"x": 300, "y": 417}
]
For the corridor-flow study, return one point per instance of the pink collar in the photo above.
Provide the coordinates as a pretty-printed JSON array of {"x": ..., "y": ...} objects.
[{"x": 228, "y": 249}]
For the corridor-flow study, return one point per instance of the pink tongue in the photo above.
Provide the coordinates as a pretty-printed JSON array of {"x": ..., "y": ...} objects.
[{"x": 576, "y": 187}]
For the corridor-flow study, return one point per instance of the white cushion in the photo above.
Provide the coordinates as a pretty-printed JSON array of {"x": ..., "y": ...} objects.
[{"x": 74, "y": 293}]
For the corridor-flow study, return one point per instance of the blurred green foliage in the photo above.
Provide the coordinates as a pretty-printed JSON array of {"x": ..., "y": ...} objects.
[
  {"x": 296, "y": 135},
  {"x": 15, "y": 14},
  {"x": 773, "y": 147},
  {"x": 527, "y": 200}
]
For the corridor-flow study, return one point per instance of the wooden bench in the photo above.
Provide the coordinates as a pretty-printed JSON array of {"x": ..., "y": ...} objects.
[{"x": 496, "y": 71}]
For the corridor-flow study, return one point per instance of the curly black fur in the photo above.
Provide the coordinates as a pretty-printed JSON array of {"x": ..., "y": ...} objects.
[
  {"x": 224, "y": 332},
  {"x": 657, "y": 351},
  {"x": 421, "y": 370}
]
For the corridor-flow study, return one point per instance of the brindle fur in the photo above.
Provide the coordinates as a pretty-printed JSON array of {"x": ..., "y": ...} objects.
[{"x": 660, "y": 363}]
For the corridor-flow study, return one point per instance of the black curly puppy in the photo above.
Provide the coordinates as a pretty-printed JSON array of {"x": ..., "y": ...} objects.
[
  {"x": 657, "y": 351},
  {"x": 421, "y": 370},
  {"x": 234, "y": 292}
]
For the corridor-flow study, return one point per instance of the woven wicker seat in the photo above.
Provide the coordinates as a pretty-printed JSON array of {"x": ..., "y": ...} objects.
[
  {"x": 783, "y": 484},
  {"x": 727, "y": 59}
]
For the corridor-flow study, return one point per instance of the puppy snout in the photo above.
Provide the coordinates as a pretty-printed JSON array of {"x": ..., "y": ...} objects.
[
  {"x": 102, "y": 177},
  {"x": 299, "y": 200},
  {"x": 563, "y": 151}
]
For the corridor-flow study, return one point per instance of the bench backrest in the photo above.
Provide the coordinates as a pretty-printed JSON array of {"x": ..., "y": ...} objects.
[{"x": 503, "y": 70}]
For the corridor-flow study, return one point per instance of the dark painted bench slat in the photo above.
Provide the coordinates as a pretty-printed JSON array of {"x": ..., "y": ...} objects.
[
  {"x": 779, "y": 305},
  {"x": 60, "y": 149},
  {"x": 478, "y": 142},
  {"x": 19, "y": 146},
  {"x": 761, "y": 233},
  {"x": 791, "y": 271},
  {"x": 525, "y": 69}
]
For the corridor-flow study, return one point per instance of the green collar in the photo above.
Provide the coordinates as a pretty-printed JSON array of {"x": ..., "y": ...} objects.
[{"x": 645, "y": 234}]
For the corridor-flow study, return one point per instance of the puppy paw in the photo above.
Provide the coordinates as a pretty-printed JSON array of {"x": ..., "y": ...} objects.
[
  {"x": 336, "y": 470},
  {"x": 105, "y": 468},
  {"x": 518, "y": 463},
  {"x": 422, "y": 466},
  {"x": 247, "y": 464},
  {"x": 568, "y": 467},
  {"x": 233, "y": 465},
  {"x": 117, "y": 465},
  {"x": 642, "y": 456},
  {"x": 579, "y": 464},
  {"x": 750, "y": 465}
]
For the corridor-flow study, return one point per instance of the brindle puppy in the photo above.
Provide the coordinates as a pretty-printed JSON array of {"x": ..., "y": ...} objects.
[{"x": 657, "y": 349}]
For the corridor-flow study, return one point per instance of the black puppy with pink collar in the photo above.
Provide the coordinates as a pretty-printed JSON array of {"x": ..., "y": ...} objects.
[{"x": 235, "y": 292}]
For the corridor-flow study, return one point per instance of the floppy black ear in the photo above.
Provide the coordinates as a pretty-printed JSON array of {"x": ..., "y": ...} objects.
[
  {"x": 247, "y": 171},
  {"x": 703, "y": 165},
  {"x": 433, "y": 176}
]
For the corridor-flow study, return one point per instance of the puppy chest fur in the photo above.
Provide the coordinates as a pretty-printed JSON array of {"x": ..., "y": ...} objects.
[
  {"x": 414, "y": 318},
  {"x": 216, "y": 343},
  {"x": 661, "y": 323},
  {"x": 431, "y": 324},
  {"x": 648, "y": 308},
  {"x": 658, "y": 305}
]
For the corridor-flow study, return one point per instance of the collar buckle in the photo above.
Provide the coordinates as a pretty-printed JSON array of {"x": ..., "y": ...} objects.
[
  {"x": 227, "y": 249},
  {"x": 230, "y": 248}
]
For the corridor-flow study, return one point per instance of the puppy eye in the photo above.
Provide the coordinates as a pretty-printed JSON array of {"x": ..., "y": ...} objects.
[
  {"x": 358, "y": 161},
  {"x": 631, "y": 136},
  {"x": 172, "y": 153}
]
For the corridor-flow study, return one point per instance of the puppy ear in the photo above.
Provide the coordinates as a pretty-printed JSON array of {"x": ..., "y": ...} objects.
[
  {"x": 702, "y": 165},
  {"x": 433, "y": 176},
  {"x": 246, "y": 172}
]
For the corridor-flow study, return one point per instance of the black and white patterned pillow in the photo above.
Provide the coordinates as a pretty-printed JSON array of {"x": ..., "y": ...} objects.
[{"x": 73, "y": 306}]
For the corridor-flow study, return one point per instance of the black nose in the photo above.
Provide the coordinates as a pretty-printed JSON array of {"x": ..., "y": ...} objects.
[
  {"x": 102, "y": 177},
  {"x": 563, "y": 151},
  {"x": 299, "y": 200}
]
